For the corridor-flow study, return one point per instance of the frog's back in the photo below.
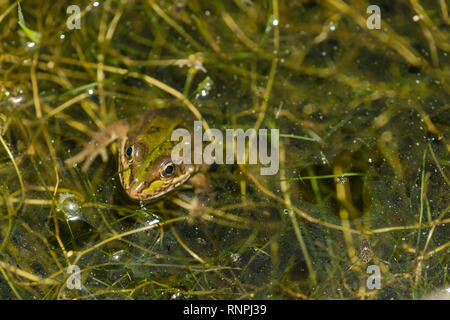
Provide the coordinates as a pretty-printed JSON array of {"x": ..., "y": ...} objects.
[{"x": 158, "y": 121}]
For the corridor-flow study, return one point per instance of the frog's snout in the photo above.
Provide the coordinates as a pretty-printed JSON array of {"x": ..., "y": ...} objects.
[{"x": 136, "y": 188}]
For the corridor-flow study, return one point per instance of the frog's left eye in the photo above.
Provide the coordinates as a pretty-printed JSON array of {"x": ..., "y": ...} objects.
[
  {"x": 167, "y": 169},
  {"x": 129, "y": 152}
]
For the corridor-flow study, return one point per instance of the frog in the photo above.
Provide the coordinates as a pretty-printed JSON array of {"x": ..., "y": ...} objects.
[{"x": 145, "y": 168}]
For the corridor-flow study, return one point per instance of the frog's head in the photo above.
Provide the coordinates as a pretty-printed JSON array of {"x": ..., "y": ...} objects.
[{"x": 147, "y": 171}]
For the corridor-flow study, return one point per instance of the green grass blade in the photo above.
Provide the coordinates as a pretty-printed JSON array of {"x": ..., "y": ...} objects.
[{"x": 31, "y": 34}]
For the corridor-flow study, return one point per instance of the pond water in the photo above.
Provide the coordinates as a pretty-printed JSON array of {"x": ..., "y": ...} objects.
[{"x": 357, "y": 209}]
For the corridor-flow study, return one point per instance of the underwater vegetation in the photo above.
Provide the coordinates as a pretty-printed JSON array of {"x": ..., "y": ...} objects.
[{"x": 363, "y": 116}]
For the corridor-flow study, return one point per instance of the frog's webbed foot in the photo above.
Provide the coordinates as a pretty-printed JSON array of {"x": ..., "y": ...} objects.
[
  {"x": 203, "y": 190},
  {"x": 88, "y": 155},
  {"x": 97, "y": 146},
  {"x": 200, "y": 183}
]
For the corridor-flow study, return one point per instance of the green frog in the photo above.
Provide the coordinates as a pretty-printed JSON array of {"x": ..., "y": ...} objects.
[{"x": 146, "y": 169}]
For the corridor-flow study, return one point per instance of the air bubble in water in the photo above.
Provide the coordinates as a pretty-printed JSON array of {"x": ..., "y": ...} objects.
[
  {"x": 70, "y": 206},
  {"x": 341, "y": 180}
]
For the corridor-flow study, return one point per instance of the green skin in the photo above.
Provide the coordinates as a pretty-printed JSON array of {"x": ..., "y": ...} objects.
[{"x": 144, "y": 154}]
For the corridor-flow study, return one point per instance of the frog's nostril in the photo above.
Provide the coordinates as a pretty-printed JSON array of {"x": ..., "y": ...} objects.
[{"x": 139, "y": 187}]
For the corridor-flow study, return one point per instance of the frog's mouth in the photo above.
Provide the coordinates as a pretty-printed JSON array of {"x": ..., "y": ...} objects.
[{"x": 150, "y": 191}]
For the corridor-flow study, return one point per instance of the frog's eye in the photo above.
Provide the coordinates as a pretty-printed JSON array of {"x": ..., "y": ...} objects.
[
  {"x": 167, "y": 169},
  {"x": 129, "y": 152},
  {"x": 136, "y": 152}
]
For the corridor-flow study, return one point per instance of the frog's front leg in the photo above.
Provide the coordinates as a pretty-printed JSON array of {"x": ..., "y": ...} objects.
[
  {"x": 200, "y": 183},
  {"x": 203, "y": 192},
  {"x": 97, "y": 146}
]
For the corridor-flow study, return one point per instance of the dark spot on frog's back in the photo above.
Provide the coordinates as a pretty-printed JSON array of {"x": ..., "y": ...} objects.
[
  {"x": 153, "y": 129},
  {"x": 145, "y": 122}
]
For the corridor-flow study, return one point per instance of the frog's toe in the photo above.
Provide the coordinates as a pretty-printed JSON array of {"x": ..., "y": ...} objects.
[
  {"x": 75, "y": 159},
  {"x": 89, "y": 159},
  {"x": 68, "y": 162},
  {"x": 104, "y": 154},
  {"x": 87, "y": 164}
]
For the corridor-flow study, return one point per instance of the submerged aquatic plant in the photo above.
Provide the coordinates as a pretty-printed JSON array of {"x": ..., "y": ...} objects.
[{"x": 364, "y": 149}]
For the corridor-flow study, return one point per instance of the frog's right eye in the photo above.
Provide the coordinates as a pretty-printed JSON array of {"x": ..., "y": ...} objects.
[
  {"x": 167, "y": 169},
  {"x": 136, "y": 151}
]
